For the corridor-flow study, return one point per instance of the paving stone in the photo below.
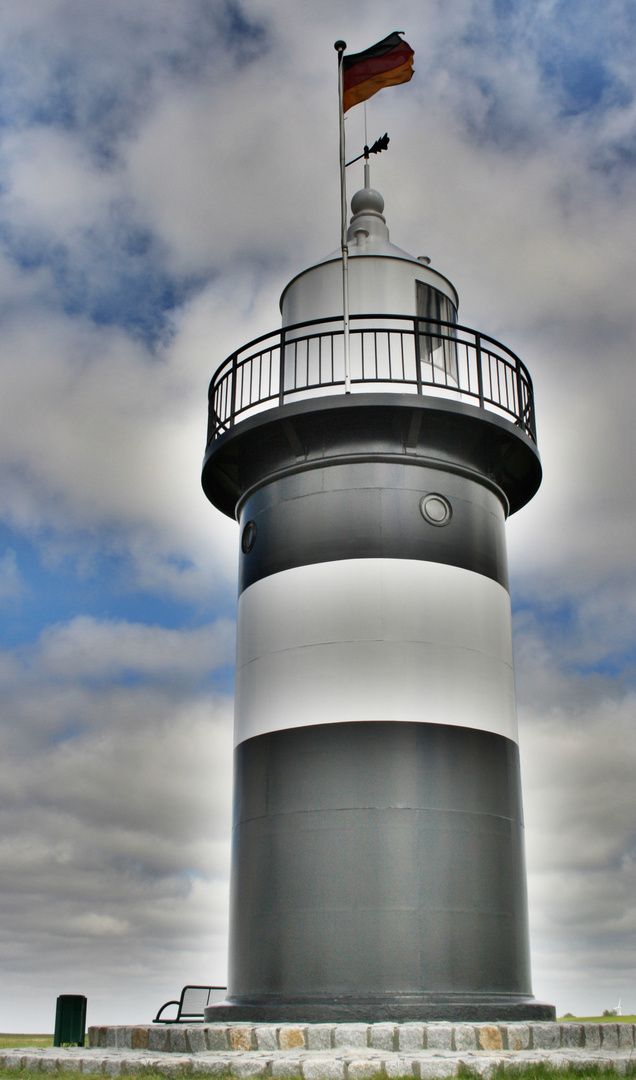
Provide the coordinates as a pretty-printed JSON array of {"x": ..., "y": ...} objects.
[
  {"x": 609, "y": 1036},
  {"x": 490, "y": 1037},
  {"x": 518, "y": 1036},
  {"x": 48, "y": 1065},
  {"x": 240, "y": 1036},
  {"x": 291, "y": 1037},
  {"x": 350, "y": 1035},
  {"x": 465, "y": 1037},
  {"x": 216, "y": 1037},
  {"x": 139, "y": 1038},
  {"x": 592, "y": 1034},
  {"x": 266, "y": 1037},
  {"x": 398, "y": 1066},
  {"x": 439, "y": 1036},
  {"x": 382, "y": 1036},
  {"x": 434, "y": 1068},
  {"x": 212, "y": 1067},
  {"x": 411, "y": 1037},
  {"x": 361, "y": 1068},
  {"x": 158, "y": 1038},
  {"x": 250, "y": 1066},
  {"x": 546, "y": 1036},
  {"x": 89, "y": 1066},
  {"x": 178, "y": 1040},
  {"x": 175, "y": 1067},
  {"x": 286, "y": 1067},
  {"x": 319, "y": 1036},
  {"x": 12, "y": 1061},
  {"x": 323, "y": 1068},
  {"x": 571, "y": 1035},
  {"x": 626, "y": 1036},
  {"x": 195, "y": 1040},
  {"x": 486, "y": 1067},
  {"x": 32, "y": 1062}
]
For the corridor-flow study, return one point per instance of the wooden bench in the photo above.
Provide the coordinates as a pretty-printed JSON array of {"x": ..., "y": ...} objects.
[{"x": 191, "y": 1004}]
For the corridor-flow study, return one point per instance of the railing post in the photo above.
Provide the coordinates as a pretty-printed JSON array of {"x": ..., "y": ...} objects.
[
  {"x": 233, "y": 389},
  {"x": 519, "y": 393},
  {"x": 281, "y": 375},
  {"x": 418, "y": 358},
  {"x": 480, "y": 374}
]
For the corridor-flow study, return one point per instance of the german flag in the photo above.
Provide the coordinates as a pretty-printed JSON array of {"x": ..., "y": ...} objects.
[{"x": 388, "y": 63}]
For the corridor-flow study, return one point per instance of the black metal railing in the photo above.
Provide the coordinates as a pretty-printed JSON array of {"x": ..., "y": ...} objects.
[{"x": 422, "y": 356}]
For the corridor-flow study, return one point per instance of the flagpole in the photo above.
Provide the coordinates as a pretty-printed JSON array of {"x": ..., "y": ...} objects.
[{"x": 340, "y": 47}]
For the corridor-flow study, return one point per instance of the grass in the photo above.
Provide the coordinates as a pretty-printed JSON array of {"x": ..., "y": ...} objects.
[
  {"x": 8, "y": 1042},
  {"x": 540, "y": 1071},
  {"x": 596, "y": 1020}
]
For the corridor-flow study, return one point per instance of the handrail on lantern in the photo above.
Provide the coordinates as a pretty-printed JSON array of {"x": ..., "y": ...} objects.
[{"x": 426, "y": 356}]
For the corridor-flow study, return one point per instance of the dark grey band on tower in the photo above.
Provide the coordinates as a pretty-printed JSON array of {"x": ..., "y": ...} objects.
[
  {"x": 370, "y": 510},
  {"x": 398, "y": 845}
]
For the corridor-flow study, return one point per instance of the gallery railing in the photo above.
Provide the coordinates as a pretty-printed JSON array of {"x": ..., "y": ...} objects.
[{"x": 389, "y": 353}]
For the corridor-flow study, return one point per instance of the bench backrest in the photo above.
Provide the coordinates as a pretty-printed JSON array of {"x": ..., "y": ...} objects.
[{"x": 195, "y": 998}]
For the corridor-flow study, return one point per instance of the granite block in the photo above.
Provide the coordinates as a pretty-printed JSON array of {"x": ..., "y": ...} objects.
[
  {"x": 439, "y": 1036},
  {"x": 320, "y": 1036},
  {"x": 212, "y": 1068},
  {"x": 139, "y": 1038},
  {"x": 465, "y": 1037},
  {"x": 249, "y": 1066},
  {"x": 518, "y": 1036},
  {"x": 178, "y": 1040},
  {"x": 159, "y": 1039},
  {"x": 382, "y": 1036},
  {"x": 434, "y": 1068},
  {"x": 571, "y": 1035},
  {"x": 398, "y": 1066},
  {"x": 266, "y": 1037},
  {"x": 323, "y": 1068},
  {"x": 216, "y": 1037},
  {"x": 609, "y": 1036},
  {"x": 292, "y": 1037},
  {"x": 411, "y": 1037},
  {"x": 546, "y": 1036},
  {"x": 490, "y": 1037},
  {"x": 592, "y": 1036},
  {"x": 240, "y": 1036},
  {"x": 195, "y": 1039},
  {"x": 353, "y": 1035},
  {"x": 283, "y": 1067}
]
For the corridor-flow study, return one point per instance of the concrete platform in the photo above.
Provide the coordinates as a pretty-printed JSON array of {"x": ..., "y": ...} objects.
[{"x": 336, "y": 1051}]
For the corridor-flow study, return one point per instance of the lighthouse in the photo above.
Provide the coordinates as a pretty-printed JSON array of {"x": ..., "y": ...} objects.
[{"x": 378, "y": 854}]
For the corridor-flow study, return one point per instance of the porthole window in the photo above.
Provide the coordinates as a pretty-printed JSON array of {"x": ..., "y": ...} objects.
[
  {"x": 435, "y": 509},
  {"x": 248, "y": 538}
]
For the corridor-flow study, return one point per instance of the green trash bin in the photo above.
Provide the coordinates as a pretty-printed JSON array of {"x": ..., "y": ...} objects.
[{"x": 70, "y": 1020}]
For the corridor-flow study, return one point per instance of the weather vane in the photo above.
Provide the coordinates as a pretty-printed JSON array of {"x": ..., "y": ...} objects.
[{"x": 377, "y": 148}]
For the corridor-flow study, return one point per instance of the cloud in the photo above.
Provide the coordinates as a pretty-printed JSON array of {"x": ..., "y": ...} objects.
[
  {"x": 10, "y": 583},
  {"x": 114, "y": 810}
]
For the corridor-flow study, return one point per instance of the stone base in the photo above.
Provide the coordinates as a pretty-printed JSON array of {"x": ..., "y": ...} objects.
[{"x": 374, "y": 1011}]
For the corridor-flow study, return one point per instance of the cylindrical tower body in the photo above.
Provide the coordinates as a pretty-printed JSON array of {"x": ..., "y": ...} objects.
[{"x": 377, "y": 866}]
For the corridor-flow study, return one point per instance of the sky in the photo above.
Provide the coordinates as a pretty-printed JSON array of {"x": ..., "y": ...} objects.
[{"x": 165, "y": 169}]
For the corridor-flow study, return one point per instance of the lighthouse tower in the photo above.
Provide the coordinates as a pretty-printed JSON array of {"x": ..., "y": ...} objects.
[{"x": 378, "y": 856}]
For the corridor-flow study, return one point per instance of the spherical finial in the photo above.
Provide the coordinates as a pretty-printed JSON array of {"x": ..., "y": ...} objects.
[
  {"x": 340, "y": 46},
  {"x": 367, "y": 199}
]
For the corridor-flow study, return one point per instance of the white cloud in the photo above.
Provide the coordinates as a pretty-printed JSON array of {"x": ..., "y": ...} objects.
[{"x": 114, "y": 815}]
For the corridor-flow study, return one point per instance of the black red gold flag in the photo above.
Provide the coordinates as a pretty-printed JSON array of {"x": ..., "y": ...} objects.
[{"x": 388, "y": 63}]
